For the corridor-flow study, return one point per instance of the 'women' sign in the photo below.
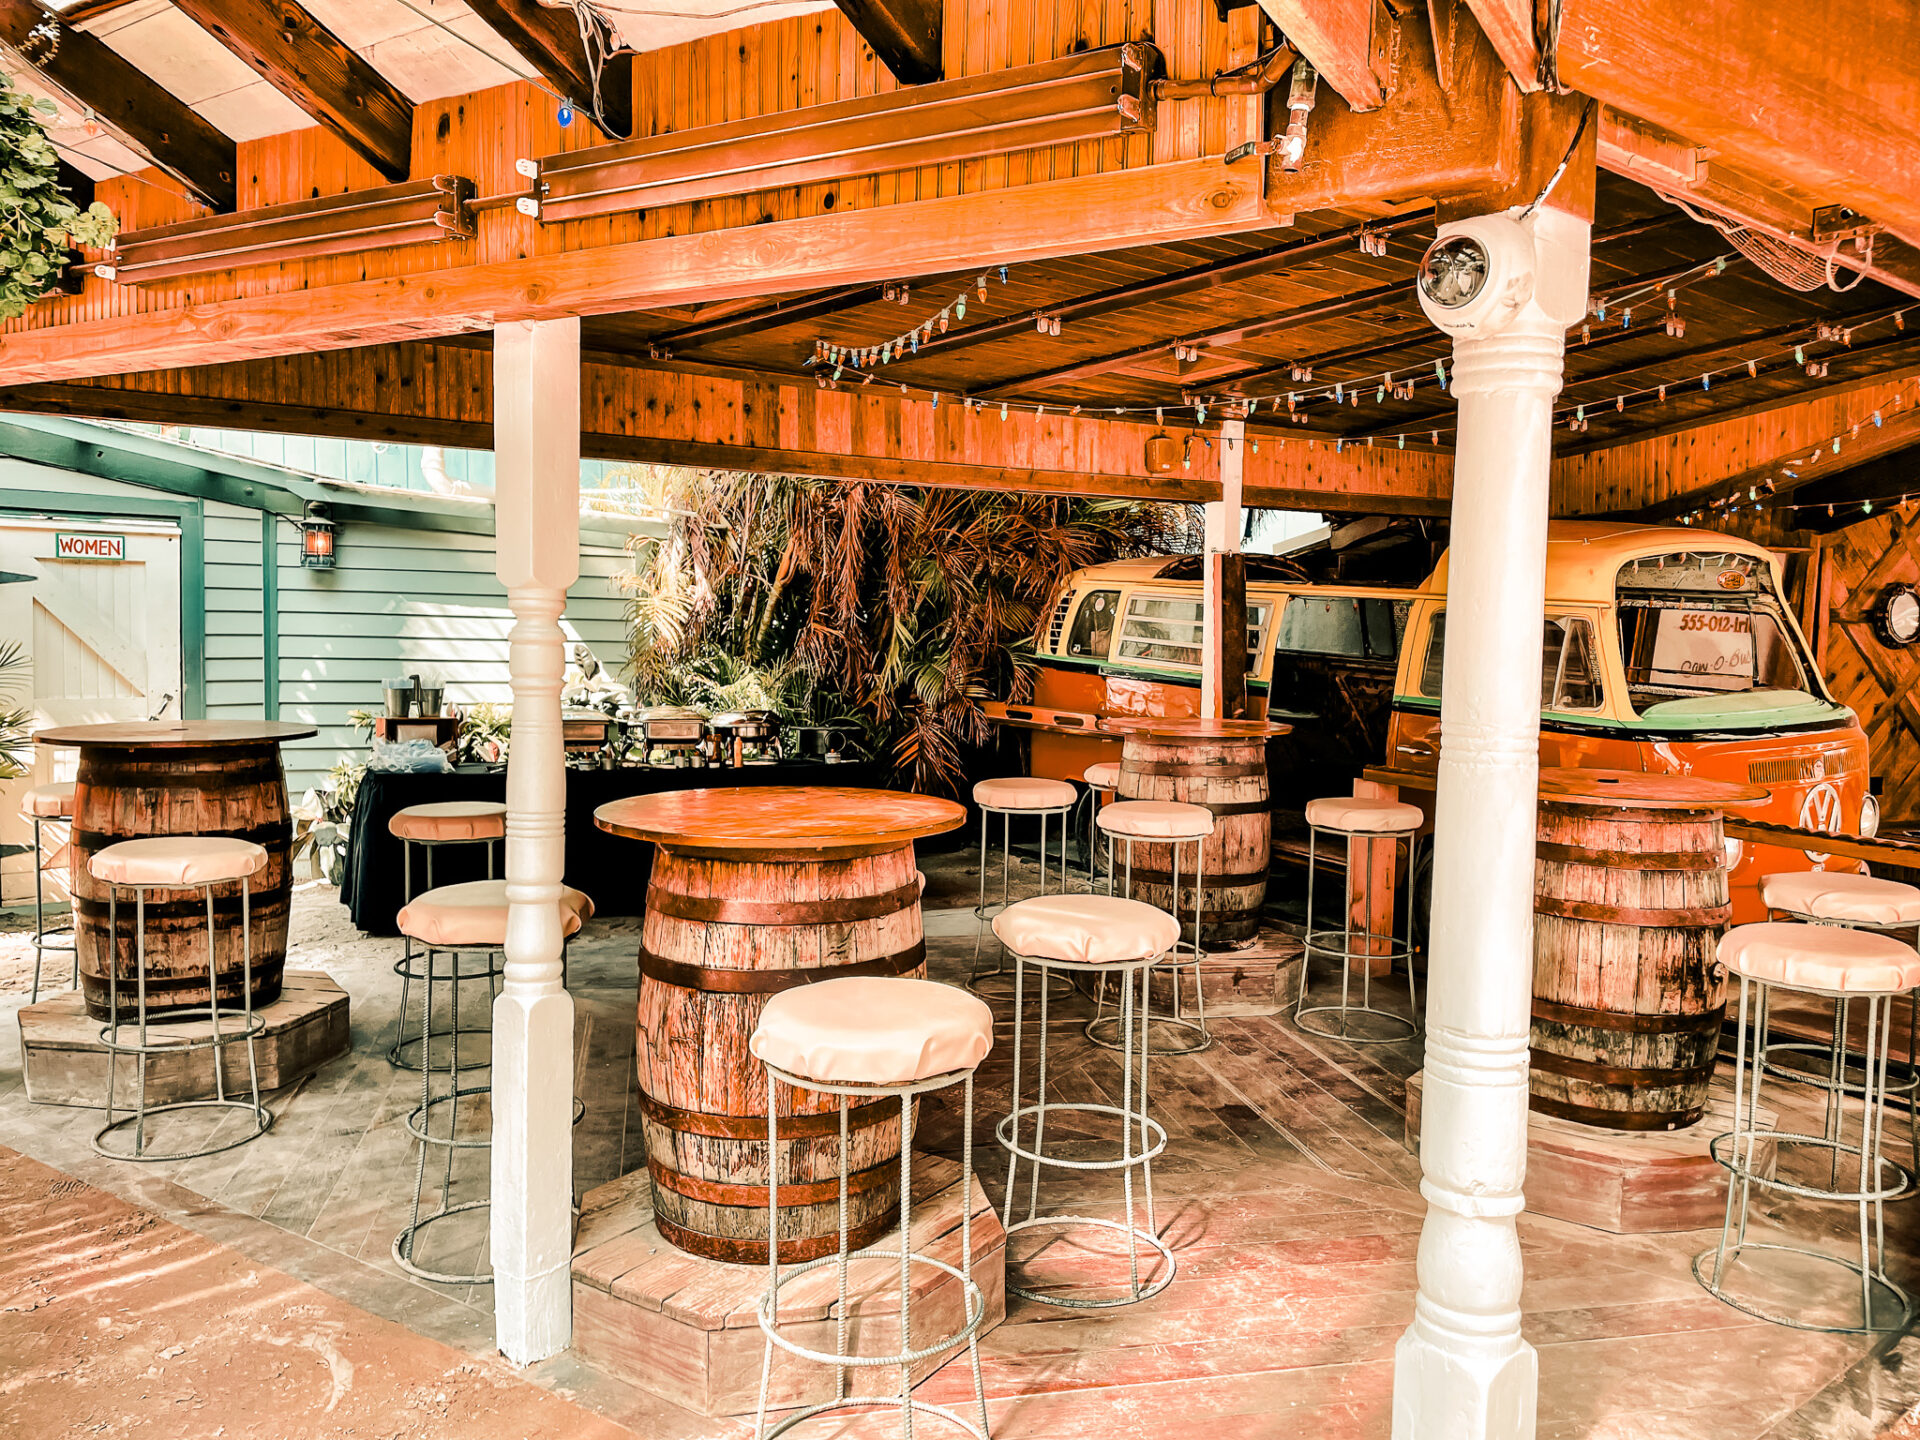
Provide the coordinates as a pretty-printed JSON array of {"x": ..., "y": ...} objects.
[{"x": 89, "y": 547}]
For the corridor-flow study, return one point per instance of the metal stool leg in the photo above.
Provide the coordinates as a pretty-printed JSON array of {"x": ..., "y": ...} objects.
[{"x": 1372, "y": 946}]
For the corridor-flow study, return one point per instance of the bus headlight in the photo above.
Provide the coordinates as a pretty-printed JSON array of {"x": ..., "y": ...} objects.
[
  {"x": 1870, "y": 817},
  {"x": 1735, "y": 851}
]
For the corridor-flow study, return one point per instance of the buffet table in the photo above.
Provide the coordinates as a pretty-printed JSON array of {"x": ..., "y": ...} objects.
[{"x": 613, "y": 874}]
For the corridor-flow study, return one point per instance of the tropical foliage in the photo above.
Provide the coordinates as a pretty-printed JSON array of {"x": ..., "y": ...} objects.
[
  {"x": 897, "y": 607},
  {"x": 39, "y": 224}
]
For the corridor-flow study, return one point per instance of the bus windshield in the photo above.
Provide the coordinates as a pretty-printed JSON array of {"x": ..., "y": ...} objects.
[{"x": 1703, "y": 640}]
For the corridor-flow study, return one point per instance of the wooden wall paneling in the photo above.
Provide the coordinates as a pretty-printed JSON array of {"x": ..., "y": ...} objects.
[{"x": 1880, "y": 683}]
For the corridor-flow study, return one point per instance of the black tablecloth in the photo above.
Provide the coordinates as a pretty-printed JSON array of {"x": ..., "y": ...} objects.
[{"x": 613, "y": 871}]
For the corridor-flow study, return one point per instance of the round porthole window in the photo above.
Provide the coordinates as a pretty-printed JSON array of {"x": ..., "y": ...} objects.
[{"x": 1896, "y": 615}]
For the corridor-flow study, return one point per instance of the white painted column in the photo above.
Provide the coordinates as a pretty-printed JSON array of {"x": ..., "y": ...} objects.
[
  {"x": 1462, "y": 1371},
  {"x": 536, "y": 442},
  {"x": 1224, "y": 524}
]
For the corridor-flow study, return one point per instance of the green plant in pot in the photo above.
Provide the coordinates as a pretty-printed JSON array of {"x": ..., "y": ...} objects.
[{"x": 39, "y": 223}]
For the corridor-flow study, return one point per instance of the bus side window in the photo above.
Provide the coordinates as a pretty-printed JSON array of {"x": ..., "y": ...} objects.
[
  {"x": 1569, "y": 665},
  {"x": 1430, "y": 668},
  {"x": 1092, "y": 634}
]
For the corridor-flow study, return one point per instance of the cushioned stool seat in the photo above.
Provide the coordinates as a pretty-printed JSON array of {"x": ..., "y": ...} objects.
[
  {"x": 1858, "y": 899},
  {"x": 1156, "y": 819},
  {"x": 459, "y": 917},
  {"x": 1825, "y": 958},
  {"x": 451, "y": 820},
  {"x": 177, "y": 861},
  {"x": 1086, "y": 929},
  {"x": 1024, "y": 792},
  {"x": 1361, "y": 814},
  {"x": 1104, "y": 776},
  {"x": 49, "y": 802},
  {"x": 873, "y": 1030}
]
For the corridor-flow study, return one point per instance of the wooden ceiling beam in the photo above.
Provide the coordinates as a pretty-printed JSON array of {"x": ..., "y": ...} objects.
[
  {"x": 1151, "y": 205},
  {"x": 1232, "y": 271},
  {"x": 1509, "y": 25},
  {"x": 132, "y": 108},
  {"x": 1346, "y": 40},
  {"x": 547, "y": 37},
  {"x": 903, "y": 34},
  {"x": 763, "y": 317},
  {"x": 1822, "y": 99},
  {"x": 1678, "y": 170},
  {"x": 315, "y": 69}
]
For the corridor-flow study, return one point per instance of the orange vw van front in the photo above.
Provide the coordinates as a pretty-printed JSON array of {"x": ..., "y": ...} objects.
[{"x": 1669, "y": 651}]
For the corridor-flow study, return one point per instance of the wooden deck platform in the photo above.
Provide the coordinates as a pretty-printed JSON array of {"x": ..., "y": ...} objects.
[{"x": 1287, "y": 1193}]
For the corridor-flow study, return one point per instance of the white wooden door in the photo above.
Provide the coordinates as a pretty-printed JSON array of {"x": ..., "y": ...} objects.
[{"x": 98, "y": 618}]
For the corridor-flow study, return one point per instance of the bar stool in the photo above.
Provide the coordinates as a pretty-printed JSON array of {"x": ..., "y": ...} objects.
[
  {"x": 1350, "y": 818},
  {"x": 1857, "y": 902},
  {"x": 873, "y": 1037},
  {"x": 1837, "y": 964},
  {"x": 39, "y": 805},
  {"x": 451, "y": 920},
  {"x": 182, "y": 862},
  {"x": 1173, "y": 824},
  {"x": 1088, "y": 935},
  {"x": 1103, "y": 783},
  {"x": 429, "y": 827},
  {"x": 1012, "y": 795}
]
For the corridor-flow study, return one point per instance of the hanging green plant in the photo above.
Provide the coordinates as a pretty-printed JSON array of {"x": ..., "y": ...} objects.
[{"x": 39, "y": 223}]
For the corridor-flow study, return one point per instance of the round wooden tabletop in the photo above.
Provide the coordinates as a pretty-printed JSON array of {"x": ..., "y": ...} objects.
[
  {"x": 152, "y": 734},
  {"x": 1194, "y": 727},
  {"x": 766, "y": 821},
  {"x": 1640, "y": 791}
]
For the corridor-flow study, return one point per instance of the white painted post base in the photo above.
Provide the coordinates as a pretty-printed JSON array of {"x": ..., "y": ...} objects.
[
  {"x": 536, "y": 407},
  {"x": 1462, "y": 1370}
]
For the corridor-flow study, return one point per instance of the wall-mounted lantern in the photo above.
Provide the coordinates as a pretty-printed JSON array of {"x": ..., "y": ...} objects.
[{"x": 316, "y": 537}]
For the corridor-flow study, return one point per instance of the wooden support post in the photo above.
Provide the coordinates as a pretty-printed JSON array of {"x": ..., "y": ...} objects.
[
  {"x": 536, "y": 408},
  {"x": 1371, "y": 868},
  {"x": 1223, "y": 639}
]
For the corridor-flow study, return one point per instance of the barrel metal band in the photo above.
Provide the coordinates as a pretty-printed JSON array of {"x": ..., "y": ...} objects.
[
  {"x": 725, "y": 910},
  {"x": 1610, "y": 1119},
  {"x": 1630, "y": 1077},
  {"x": 1559, "y": 854},
  {"x": 754, "y": 1127},
  {"x": 1706, "y": 1022},
  {"x": 811, "y": 1192},
  {"x": 754, "y": 1252},
  {"x": 772, "y": 982},
  {"x": 1196, "y": 770},
  {"x": 1689, "y": 918}
]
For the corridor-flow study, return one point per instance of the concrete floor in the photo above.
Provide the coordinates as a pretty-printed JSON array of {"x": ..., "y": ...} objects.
[{"x": 1287, "y": 1193}]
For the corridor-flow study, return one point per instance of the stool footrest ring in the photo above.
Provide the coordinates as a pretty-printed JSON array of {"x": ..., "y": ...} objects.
[
  {"x": 919, "y": 1407},
  {"x": 1134, "y": 1120},
  {"x": 1720, "y": 1153},
  {"x": 1105, "y": 1032},
  {"x": 1400, "y": 1022},
  {"x": 403, "y": 1246},
  {"x": 415, "y": 1121},
  {"x": 263, "y": 1122},
  {"x": 976, "y": 1312},
  {"x": 1133, "y": 1297},
  {"x": 1703, "y": 1268}
]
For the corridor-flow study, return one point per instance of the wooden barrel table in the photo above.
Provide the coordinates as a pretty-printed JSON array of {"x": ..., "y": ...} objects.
[
  {"x": 195, "y": 777},
  {"x": 1221, "y": 766},
  {"x": 754, "y": 891},
  {"x": 1630, "y": 902}
]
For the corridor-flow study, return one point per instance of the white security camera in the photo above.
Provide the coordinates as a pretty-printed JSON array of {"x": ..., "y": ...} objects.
[{"x": 1477, "y": 275}]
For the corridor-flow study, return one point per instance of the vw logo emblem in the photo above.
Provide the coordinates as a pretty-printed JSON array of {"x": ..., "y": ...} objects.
[{"x": 1821, "y": 811}]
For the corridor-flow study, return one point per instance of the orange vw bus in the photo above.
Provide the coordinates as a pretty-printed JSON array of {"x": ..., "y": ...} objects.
[{"x": 1666, "y": 650}]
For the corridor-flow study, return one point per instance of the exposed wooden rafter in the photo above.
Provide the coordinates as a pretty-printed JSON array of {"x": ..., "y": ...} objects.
[
  {"x": 904, "y": 34},
  {"x": 547, "y": 37},
  {"x": 131, "y": 107},
  {"x": 1509, "y": 25},
  {"x": 1345, "y": 39},
  {"x": 315, "y": 69},
  {"x": 1822, "y": 99},
  {"x": 763, "y": 317}
]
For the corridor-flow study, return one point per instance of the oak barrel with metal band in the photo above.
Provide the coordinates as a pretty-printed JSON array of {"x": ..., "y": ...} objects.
[
  {"x": 721, "y": 937},
  {"x": 1228, "y": 776},
  {"x": 1630, "y": 904},
  {"x": 128, "y": 794}
]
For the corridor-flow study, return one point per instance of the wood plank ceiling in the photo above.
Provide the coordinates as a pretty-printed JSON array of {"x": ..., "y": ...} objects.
[{"x": 1684, "y": 330}]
